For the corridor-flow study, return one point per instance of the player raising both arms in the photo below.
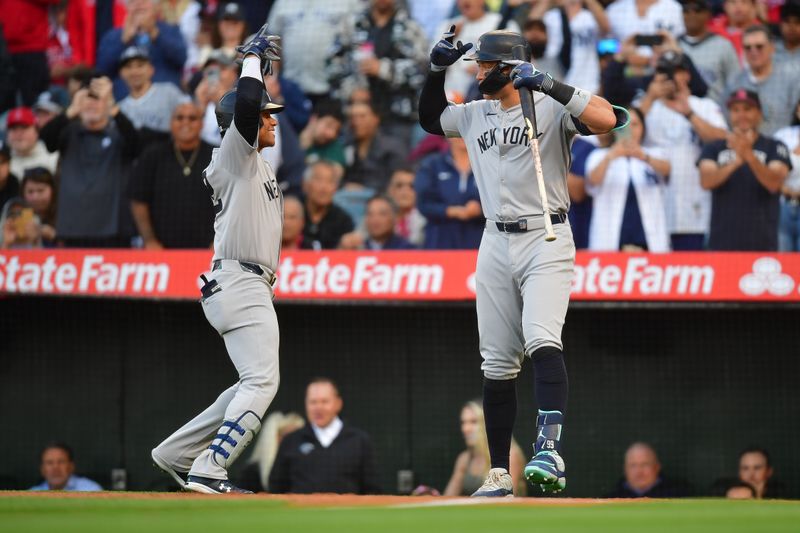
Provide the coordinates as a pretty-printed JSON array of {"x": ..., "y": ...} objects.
[
  {"x": 522, "y": 282},
  {"x": 237, "y": 297}
]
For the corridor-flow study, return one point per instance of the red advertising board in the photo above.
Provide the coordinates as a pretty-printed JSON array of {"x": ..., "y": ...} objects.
[{"x": 413, "y": 276}]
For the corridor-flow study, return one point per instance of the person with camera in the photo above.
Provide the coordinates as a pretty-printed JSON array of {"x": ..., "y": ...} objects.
[{"x": 679, "y": 123}]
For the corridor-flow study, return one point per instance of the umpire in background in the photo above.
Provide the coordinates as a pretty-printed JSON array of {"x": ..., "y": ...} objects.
[{"x": 327, "y": 455}]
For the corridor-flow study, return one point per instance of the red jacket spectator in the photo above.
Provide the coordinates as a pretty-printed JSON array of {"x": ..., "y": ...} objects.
[
  {"x": 81, "y": 28},
  {"x": 25, "y": 24}
]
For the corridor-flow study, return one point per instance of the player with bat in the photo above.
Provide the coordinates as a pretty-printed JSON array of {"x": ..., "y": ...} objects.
[{"x": 523, "y": 278}]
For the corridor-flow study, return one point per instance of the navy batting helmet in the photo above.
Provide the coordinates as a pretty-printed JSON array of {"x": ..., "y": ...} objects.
[
  {"x": 499, "y": 45},
  {"x": 227, "y": 104}
]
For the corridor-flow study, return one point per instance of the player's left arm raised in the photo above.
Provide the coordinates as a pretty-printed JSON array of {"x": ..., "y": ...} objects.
[{"x": 593, "y": 113}]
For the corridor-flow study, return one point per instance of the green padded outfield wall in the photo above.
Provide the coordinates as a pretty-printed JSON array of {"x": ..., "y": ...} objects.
[{"x": 113, "y": 377}]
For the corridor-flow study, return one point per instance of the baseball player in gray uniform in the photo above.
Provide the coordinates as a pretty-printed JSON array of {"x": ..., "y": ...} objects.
[
  {"x": 522, "y": 281},
  {"x": 237, "y": 295}
]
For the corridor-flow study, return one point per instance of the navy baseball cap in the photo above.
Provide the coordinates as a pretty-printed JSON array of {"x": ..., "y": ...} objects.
[
  {"x": 230, "y": 11},
  {"x": 131, "y": 53},
  {"x": 744, "y": 95}
]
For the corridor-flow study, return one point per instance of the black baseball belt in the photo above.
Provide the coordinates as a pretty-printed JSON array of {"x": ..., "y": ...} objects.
[
  {"x": 253, "y": 268},
  {"x": 521, "y": 225}
]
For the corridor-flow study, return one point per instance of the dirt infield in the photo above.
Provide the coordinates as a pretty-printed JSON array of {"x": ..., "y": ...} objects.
[{"x": 321, "y": 500}]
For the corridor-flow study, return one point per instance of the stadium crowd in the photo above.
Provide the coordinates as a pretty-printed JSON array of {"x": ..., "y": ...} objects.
[{"x": 108, "y": 120}]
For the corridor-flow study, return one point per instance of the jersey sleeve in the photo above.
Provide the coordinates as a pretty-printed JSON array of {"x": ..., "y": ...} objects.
[
  {"x": 451, "y": 119},
  {"x": 779, "y": 152},
  {"x": 234, "y": 159}
]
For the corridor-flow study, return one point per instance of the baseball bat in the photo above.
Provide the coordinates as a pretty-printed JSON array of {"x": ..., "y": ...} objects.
[{"x": 529, "y": 112}]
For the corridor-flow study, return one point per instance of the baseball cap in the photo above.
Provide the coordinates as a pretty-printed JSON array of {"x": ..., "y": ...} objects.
[
  {"x": 51, "y": 101},
  {"x": 670, "y": 60},
  {"x": 131, "y": 53},
  {"x": 20, "y": 116},
  {"x": 230, "y": 11},
  {"x": 744, "y": 95}
]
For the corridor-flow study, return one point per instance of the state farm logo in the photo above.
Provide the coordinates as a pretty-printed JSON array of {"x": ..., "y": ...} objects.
[{"x": 766, "y": 277}]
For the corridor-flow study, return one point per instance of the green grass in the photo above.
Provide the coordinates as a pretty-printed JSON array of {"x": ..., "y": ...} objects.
[{"x": 30, "y": 514}]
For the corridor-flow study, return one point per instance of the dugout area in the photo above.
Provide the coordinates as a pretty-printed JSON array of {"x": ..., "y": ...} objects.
[{"x": 113, "y": 377}]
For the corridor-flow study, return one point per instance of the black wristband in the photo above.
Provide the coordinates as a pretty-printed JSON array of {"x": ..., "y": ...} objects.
[{"x": 560, "y": 92}]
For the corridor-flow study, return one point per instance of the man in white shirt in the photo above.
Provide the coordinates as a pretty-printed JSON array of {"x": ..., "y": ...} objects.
[
  {"x": 27, "y": 151},
  {"x": 327, "y": 455}
]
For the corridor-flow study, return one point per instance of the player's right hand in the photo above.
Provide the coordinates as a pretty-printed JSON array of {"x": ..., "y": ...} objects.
[
  {"x": 445, "y": 53},
  {"x": 263, "y": 45}
]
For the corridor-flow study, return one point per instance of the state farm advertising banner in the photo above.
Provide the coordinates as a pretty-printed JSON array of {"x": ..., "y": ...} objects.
[{"x": 411, "y": 276}]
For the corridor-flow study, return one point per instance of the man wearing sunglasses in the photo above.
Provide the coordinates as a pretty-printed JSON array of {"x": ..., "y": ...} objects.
[
  {"x": 713, "y": 55},
  {"x": 168, "y": 199},
  {"x": 777, "y": 84}
]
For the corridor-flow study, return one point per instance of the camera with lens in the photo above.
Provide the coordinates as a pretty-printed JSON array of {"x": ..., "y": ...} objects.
[{"x": 669, "y": 62}]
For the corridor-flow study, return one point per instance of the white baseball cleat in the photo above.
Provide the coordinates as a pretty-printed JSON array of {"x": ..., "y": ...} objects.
[{"x": 498, "y": 484}]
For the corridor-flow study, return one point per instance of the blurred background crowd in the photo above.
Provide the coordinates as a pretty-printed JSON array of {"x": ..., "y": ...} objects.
[{"x": 107, "y": 116}]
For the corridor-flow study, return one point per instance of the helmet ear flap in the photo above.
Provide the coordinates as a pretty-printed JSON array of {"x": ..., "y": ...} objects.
[{"x": 495, "y": 79}]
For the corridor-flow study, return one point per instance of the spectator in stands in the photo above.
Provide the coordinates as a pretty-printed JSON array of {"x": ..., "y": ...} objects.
[
  {"x": 449, "y": 200},
  {"x": 787, "y": 49},
  {"x": 627, "y": 76},
  {"x": 27, "y": 151},
  {"x": 644, "y": 17},
  {"x": 385, "y": 50},
  {"x": 778, "y": 85},
  {"x": 627, "y": 182},
  {"x": 580, "y": 209},
  {"x": 713, "y": 55},
  {"x": 320, "y": 138},
  {"x": 97, "y": 144},
  {"x": 325, "y": 222},
  {"x": 327, "y": 455},
  {"x": 219, "y": 76},
  {"x": 536, "y": 33},
  {"x": 293, "y": 222},
  {"x": 148, "y": 105},
  {"x": 49, "y": 105},
  {"x": 678, "y": 122},
  {"x": 169, "y": 200},
  {"x": 276, "y": 426},
  {"x": 575, "y": 45},
  {"x": 229, "y": 32},
  {"x": 789, "y": 225},
  {"x": 286, "y": 92},
  {"x": 19, "y": 225},
  {"x": 741, "y": 491},
  {"x": 429, "y": 14},
  {"x": 26, "y": 28},
  {"x": 410, "y": 223},
  {"x": 60, "y": 58},
  {"x": 643, "y": 478},
  {"x": 186, "y": 14},
  {"x": 9, "y": 183},
  {"x": 371, "y": 155},
  {"x": 739, "y": 15},
  {"x": 472, "y": 465},
  {"x": 295, "y": 22},
  {"x": 86, "y": 25},
  {"x": 39, "y": 192},
  {"x": 744, "y": 173},
  {"x": 473, "y": 21},
  {"x": 58, "y": 470},
  {"x": 756, "y": 469},
  {"x": 379, "y": 223},
  {"x": 163, "y": 42}
]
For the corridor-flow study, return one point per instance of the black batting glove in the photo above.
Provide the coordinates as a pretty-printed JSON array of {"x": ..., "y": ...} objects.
[
  {"x": 445, "y": 53},
  {"x": 526, "y": 75},
  {"x": 264, "y": 46}
]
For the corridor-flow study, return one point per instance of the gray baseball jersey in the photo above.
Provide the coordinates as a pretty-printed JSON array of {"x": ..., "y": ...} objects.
[
  {"x": 501, "y": 157},
  {"x": 522, "y": 282},
  {"x": 248, "y": 202}
]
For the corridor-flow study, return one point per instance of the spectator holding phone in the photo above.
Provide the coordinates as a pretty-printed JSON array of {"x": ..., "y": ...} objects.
[
  {"x": 644, "y": 18},
  {"x": 20, "y": 226},
  {"x": 678, "y": 122},
  {"x": 627, "y": 183},
  {"x": 39, "y": 192},
  {"x": 229, "y": 31},
  {"x": 713, "y": 55},
  {"x": 219, "y": 76}
]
